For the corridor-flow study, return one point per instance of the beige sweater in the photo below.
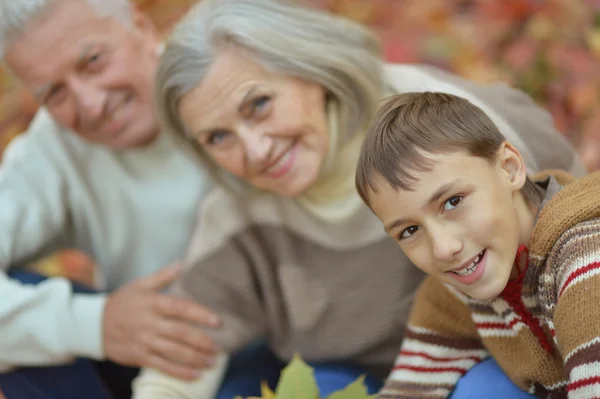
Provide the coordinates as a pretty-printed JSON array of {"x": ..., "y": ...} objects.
[{"x": 328, "y": 290}]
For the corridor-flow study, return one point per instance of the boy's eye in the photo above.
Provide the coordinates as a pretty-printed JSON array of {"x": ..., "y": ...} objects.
[
  {"x": 408, "y": 232},
  {"x": 452, "y": 203}
]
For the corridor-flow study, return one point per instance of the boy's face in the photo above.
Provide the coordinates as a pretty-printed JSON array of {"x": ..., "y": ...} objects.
[{"x": 464, "y": 221}]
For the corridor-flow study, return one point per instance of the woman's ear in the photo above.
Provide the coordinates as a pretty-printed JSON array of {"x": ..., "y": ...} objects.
[{"x": 513, "y": 165}]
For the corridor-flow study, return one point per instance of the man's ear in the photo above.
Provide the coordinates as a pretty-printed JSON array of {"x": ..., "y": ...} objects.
[
  {"x": 513, "y": 165},
  {"x": 144, "y": 24}
]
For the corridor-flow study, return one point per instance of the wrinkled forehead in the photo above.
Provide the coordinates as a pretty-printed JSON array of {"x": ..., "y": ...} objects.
[
  {"x": 231, "y": 80},
  {"x": 55, "y": 40}
]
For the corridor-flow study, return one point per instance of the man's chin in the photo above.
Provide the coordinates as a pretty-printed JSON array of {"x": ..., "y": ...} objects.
[{"x": 130, "y": 141}]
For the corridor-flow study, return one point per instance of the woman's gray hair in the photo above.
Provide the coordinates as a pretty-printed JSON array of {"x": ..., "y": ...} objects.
[
  {"x": 16, "y": 15},
  {"x": 284, "y": 37}
]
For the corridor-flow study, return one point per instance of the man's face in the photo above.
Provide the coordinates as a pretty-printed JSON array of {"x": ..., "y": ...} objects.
[{"x": 94, "y": 74}]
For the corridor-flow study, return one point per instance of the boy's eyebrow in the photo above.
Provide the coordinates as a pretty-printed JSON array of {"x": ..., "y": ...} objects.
[
  {"x": 442, "y": 190},
  {"x": 439, "y": 193}
]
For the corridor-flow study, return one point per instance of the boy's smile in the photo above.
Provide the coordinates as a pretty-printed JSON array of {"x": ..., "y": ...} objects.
[{"x": 464, "y": 220}]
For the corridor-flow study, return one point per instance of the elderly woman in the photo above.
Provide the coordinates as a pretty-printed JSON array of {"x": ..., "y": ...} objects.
[{"x": 274, "y": 99}]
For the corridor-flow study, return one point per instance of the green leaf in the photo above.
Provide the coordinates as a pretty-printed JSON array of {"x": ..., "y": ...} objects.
[
  {"x": 356, "y": 390},
  {"x": 297, "y": 381}
]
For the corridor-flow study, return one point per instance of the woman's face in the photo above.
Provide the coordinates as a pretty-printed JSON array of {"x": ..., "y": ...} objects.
[{"x": 267, "y": 129}]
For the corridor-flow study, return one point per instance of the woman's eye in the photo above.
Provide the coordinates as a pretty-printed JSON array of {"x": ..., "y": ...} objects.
[
  {"x": 216, "y": 137},
  {"x": 260, "y": 103},
  {"x": 408, "y": 232},
  {"x": 452, "y": 203}
]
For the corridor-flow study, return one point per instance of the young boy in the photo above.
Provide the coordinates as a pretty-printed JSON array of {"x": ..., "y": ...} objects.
[{"x": 513, "y": 263}]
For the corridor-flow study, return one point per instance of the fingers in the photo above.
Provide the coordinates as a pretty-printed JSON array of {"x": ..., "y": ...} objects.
[
  {"x": 184, "y": 310},
  {"x": 182, "y": 355},
  {"x": 188, "y": 335},
  {"x": 160, "y": 279}
]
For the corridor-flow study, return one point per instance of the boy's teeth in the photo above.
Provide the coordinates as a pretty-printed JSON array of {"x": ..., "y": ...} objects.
[{"x": 471, "y": 268}]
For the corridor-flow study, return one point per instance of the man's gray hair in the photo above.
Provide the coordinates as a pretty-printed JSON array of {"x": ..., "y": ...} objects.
[
  {"x": 284, "y": 37},
  {"x": 16, "y": 15}
]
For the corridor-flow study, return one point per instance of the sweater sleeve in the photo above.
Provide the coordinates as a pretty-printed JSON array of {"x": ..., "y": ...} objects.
[
  {"x": 441, "y": 344},
  {"x": 152, "y": 384},
  {"x": 577, "y": 313},
  {"x": 44, "y": 324}
]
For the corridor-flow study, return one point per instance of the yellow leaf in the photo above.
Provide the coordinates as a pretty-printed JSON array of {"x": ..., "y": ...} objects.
[
  {"x": 355, "y": 390},
  {"x": 266, "y": 391}
]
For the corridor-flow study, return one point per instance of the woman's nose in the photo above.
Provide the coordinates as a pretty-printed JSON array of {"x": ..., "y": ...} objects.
[{"x": 257, "y": 145}]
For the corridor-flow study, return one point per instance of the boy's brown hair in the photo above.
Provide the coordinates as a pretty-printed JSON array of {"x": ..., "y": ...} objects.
[{"x": 410, "y": 125}]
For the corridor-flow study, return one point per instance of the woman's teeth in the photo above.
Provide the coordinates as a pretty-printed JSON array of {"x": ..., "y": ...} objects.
[{"x": 471, "y": 268}]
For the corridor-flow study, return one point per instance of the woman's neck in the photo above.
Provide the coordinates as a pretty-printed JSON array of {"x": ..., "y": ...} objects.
[{"x": 333, "y": 196}]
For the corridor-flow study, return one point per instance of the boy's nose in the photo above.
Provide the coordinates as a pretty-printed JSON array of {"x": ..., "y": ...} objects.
[{"x": 446, "y": 245}]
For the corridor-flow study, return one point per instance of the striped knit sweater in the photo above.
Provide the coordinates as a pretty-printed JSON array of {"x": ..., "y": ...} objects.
[{"x": 544, "y": 330}]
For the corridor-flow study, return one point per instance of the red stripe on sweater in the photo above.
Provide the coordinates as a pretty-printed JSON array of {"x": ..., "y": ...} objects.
[
  {"x": 438, "y": 359},
  {"x": 583, "y": 383},
  {"x": 579, "y": 272},
  {"x": 498, "y": 326},
  {"x": 421, "y": 369}
]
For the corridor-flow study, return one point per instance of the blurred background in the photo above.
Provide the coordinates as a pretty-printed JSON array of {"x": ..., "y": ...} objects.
[{"x": 550, "y": 49}]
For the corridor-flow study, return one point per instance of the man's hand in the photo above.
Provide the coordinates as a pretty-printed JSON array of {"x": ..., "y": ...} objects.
[{"x": 143, "y": 327}]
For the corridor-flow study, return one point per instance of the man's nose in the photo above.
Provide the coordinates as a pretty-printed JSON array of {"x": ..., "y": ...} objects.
[{"x": 90, "y": 99}]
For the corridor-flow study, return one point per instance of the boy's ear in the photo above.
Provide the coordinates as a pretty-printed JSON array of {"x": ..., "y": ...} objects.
[{"x": 513, "y": 165}]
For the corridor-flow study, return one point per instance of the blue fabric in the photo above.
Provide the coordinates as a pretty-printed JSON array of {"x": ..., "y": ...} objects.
[
  {"x": 487, "y": 380},
  {"x": 84, "y": 378},
  {"x": 257, "y": 363}
]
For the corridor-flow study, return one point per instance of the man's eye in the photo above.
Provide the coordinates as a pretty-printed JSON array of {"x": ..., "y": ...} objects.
[
  {"x": 452, "y": 203},
  {"x": 408, "y": 232},
  {"x": 93, "y": 58},
  {"x": 54, "y": 95}
]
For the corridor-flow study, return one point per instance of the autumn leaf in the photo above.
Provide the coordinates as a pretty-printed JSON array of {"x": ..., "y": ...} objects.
[
  {"x": 297, "y": 381},
  {"x": 356, "y": 390},
  {"x": 266, "y": 391}
]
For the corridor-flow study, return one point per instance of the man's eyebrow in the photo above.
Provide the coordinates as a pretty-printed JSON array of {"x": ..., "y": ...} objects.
[
  {"x": 437, "y": 194},
  {"x": 41, "y": 92}
]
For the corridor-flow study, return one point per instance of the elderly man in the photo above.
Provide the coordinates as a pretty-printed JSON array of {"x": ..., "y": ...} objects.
[{"x": 92, "y": 172}]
